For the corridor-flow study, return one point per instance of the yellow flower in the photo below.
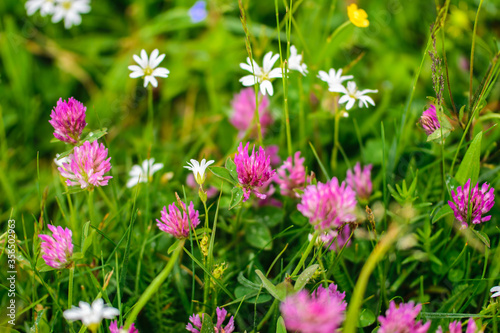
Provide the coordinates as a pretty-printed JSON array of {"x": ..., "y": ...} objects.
[{"x": 358, "y": 17}]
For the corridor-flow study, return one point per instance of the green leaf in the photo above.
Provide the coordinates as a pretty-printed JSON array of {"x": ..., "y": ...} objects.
[
  {"x": 247, "y": 283},
  {"x": 251, "y": 295},
  {"x": 236, "y": 197},
  {"x": 207, "y": 326},
  {"x": 173, "y": 247},
  {"x": 444, "y": 211},
  {"x": 74, "y": 189},
  {"x": 223, "y": 174},
  {"x": 280, "y": 327},
  {"x": 94, "y": 135},
  {"x": 270, "y": 215},
  {"x": 41, "y": 266},
  {"x": 451, "y": 184},
  {"x": 469, "y": 168},
  {"x": 88, "y": 239},
  {"x": 482, "y": 236},
  {"x": 231, "y": 167},
  {"x": 66, "y": 153},
  {"x": 304, "y": 277},
  {"x": 258, "y": 235},
  {"x": 271, "y": 288},
  {"x": 366, "y": 318}
]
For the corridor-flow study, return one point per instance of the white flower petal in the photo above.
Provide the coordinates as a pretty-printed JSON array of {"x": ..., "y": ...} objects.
[
  {"x": 266, "y": 87},
  {"x": 154, "y": 63},
  {"x": 161, "y": 72},
  {"x": 248, "y": 80}
]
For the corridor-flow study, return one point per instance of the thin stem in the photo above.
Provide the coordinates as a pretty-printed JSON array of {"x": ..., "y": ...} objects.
[
  {"x": 91, "y": 208},
  {"x": 208, "y": 263},
  {"x": 154, "y": 286},
  {"x": 306, "y": 253},
  {"x": 335, "y": 149},
  {"x": 150, "y": 113},
  {"x": 302, "y": 119},
  {"x": 70, "y": 287}
]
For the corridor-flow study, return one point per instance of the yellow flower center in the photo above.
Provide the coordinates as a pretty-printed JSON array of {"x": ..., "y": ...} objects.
[
  {"x": 66, "y": 5},
  {"x": 148, "y": 71},
  {"x": 358, "y": 17}
]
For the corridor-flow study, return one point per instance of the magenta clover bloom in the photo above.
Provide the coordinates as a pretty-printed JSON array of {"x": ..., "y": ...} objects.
[
  {"x": 429, "y": 120},
  {"x": 243, "y": 105},
  {"x": 402, "y": 319},
  {"x": 328, "y": 206},
  {"x": 291, "y": 176},
  {"x": 253, "y": 171},
  {"x": 360, "y": 181},
  {"x": 482, "y": 200},
  {"x": 176, "y": 222},
  {"x": 456, "y": 327},
  {"x": 87, "y": 166},
  {"x": 113, "y": 328},
  {"x": 58, "y": 248},
  {"x": 68, "y": 120},
  {"x": 334, "y": 240},
  {"x": 322, "y": 312},
  {"x": 221, "y": 315}
]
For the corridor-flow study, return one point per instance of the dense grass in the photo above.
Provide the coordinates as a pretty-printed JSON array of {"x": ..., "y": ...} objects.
[{"x": 428, "y": 260}]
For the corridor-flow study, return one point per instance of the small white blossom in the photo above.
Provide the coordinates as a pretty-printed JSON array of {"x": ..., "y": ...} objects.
[
  {"x": 138, "y": 173},
  {"x": 70, "y": 11},
  {"x": 262, "y": 75},
  {"x": 59, "y": 161},
  {"x": 148, "y": 67},
  {"x": 295, "y": 61},
  {"x": 334, "y": 79},
  {"x": 351, "y": 94},
  {"x": 199, "y": 169},
  {"x": 496, "y": 291},
  {"x": 91, "y": 316},
  {"x": 46, "y": 7}
]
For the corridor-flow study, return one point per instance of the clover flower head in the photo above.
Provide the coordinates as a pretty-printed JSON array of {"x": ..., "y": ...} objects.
[
  {"x": 295, "y": 61},
  {"x": 401, "y": 319},
  {"x": 253, "y": 171},
  {"x": 456, "y": 327},
  {"x": 357, "y": 16},
  {"x": 334, "y": 79},
  {"x": 143, "y": 173},
  {"x": 291, "y": 175},
  {"x": 113, "y": 328},
  {"x": 57, "y": 249},
  {"x": 60, "y": 161},
  {"x": 352, "y": 94},
  {"x": 360, "y": 181},
  {"x": 198, "y": 169},
  {"x": 481, "y": 200},
  {"x": 91, "y": 315},
  {"x": 68, "y": 120},
  {"x": 329, "y": 205},
  {"x": 322, "y": 312},
  {"x": 198, "y": 12},
  {"x": 334, "y": 240},
  {"x": 148, "y": 67},
  {"x": 429, "y": 120},
  {"x": 176, "y": 222},
  {"x": 196, "y": 322},
  {"x": 46, "y": 7},
  {"x": 261, "y": 75},
  {"x": 87, "y": 166},
  {"x": 243, "y": 105},
  {"x": 70, "y": 11}
]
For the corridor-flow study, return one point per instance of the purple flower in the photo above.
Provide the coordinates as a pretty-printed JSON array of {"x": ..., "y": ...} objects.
[
  {"x": 68, "y": 120},
  {"x": 482, "y": 201},
  {"x": 456, "y": 327},
  {"x": 253, "y": 171},
  {"x": 221, "y": 315},
  {"x": 322, "y": 312},
  {"x": 272, "y": 152},
  {"x": 113, "y": 328},
  {"x": 402, "y": 319},
  {"x": 360, "y": 181},
  {"x": 429, "y": 120},
  {"x": 291, "y": 176},
  {"x": 87, "y": 166},
  {"x": 244, "y": 108},
  {"x": 176, "y": 222},
  {"x": 328, "y": 206},
  {"x": 198, "y": 12},
  {"x": 58, "y": 248},
  {"x": 334, "y": 240}
]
